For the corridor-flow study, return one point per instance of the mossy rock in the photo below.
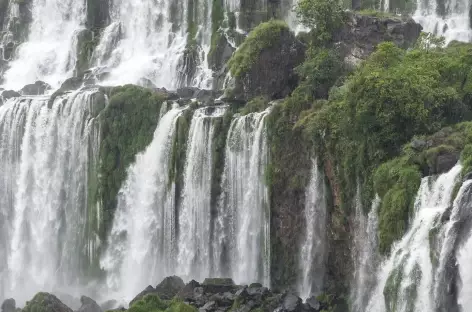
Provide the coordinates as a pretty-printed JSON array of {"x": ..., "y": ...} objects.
[{"x": 45, "y": 302}]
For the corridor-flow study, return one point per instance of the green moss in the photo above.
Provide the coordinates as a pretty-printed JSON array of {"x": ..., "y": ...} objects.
[
  {"x": 466, "y": 159},
  {"x": 152, "y": 303},
  {"x": 127, "y": 126},
  {"x": 264, "y": 36}
]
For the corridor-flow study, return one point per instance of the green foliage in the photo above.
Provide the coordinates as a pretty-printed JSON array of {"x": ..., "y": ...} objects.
[
  {"x": 376, "y": 13},
  {"x": 264, "y": 36},
  {"x": 466, "y": 159},
  {"x": 152, "y": 303},
  {"x": 320, "y": 70},
  {"x": 324, "y": 17},
  {"x": 257, "y": 104},
  {"x": 428, "y": 41},
  {"x": 37, "y": 304},
  {"x": 127, "y": 126}
]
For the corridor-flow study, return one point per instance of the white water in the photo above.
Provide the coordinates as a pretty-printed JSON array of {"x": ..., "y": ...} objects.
[
  {"x": 194, "y": 214},
  {"x": 49, "y": 54},
  {"x": 147, "y": 39},
  {"x": 365, "y": 253},
  {"x": 464, "y": 255},
  {"x": 409, "y": 268},
  {"x": 453, "y": 25},
  {"x": 141, "y": 244},
  {"x": 312, "y": 255},
  {"x": 244, "y": 209},
  {"x": 45, "y": 157}
]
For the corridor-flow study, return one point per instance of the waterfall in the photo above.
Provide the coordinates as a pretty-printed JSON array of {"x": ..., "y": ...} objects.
[
  {"x": 406, "y": 280},
  {"x": 195, "y": 212},
  {"x": 464, "y": 255},
  {"x": 49, "y": 53},
  {"x": 244, "y": 208},
  {"x": 450, "y": 19},
  {"x": 46, "y": 155},
  {"x": 365, "y": 252},
  {"x": 143, "y": 232},
  {"x": 313, "y": 249},
  {"x": 147, "y": 42}
]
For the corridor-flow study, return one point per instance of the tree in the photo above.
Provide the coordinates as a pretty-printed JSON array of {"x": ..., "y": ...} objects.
[{"x": 324, "y": 17}]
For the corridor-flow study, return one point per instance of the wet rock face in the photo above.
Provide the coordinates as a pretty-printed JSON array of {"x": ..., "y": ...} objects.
[
  {"x": 361, "y": 34},
  {"x": 169, "y": 287},
  {"x": 273, "y": 74}
]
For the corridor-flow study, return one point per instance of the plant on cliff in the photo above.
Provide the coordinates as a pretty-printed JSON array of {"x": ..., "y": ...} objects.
[
  {"x": 324, "y": 17},
  {"x": 127, "y": 126},
  {"x": 152, "y": 303},
  {"x": 264, "y": 36}
]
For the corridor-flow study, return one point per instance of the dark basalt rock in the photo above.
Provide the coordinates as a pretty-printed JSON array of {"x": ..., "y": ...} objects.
[
  {"x": 146, "y": 291},
  {"x": 169, "y": 287},
  {"x": 7, "y": 94},
  {"x": 218, "y": 285},
  {"x": 291, "y": 303},
  {"x": 89, "y": 305},
  {"x": 72, "y": 83},
  {"x": 446, "y": 161},
  {"x": 361, "y": 34},
  {"x": 188, "y": 292},
  {"x": 8, "y": 305},
  {"x": 37, "y": 88},
  {"x": 146, "y": 83}
]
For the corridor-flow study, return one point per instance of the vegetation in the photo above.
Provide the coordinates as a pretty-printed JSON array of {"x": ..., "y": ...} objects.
[
  {"x": 324, "y": 17},
  {"x": 152, "y": 303},
  {"x": 265, "y": 35},
  {"x": 127, "y": 126}
]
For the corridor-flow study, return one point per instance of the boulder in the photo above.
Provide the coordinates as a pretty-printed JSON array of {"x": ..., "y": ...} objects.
[
  {"x": 188, "y": 292},
  {"x": 72, "y": 83},
  {"x": 89, "y": 305},
  {"x": 218, "y": 285},
  {"x": 147, "y": 290},
  {"x": 291, "y": 303},
  {"x": 37, "y": 88},
  {"x": 313, "y": 303},
  {"x": 169, "y": 287},
  {"x": 46, "y": 302},
  {"x": 9, "y": 305}
]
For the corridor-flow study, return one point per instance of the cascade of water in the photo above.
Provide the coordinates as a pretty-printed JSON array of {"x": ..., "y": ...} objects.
[
  {"x": 450, "y": 19},
  {"x": 244, "y": 208},
  {"x": 405, "y": 281},
  {"x": 312, "y": 254},
  {"x": 46, "y": 155},
  {"x": 151, "y": 39},
  {"x": 464, "y": 255},
  {"x": 194, "y": 213},
  {"x": 49, "y": 54},
  {"x": 292, "y": 19},
  {"x": 143, "y": 232},
  {"x": 365, "y": 253}
]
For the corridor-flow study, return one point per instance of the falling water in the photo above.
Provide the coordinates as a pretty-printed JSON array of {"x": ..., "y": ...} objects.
[
  {"x": 46, "y": 154},
  {"x": 49, "y": 54},
  {"x": 194, "y": 213},
  {"x": 244, "y": 209},
  {"x": 312, "y": 254},
  {"x": 365, "y": 253},
  {"x": 450, "y": 19},
  {"x": 143, "y": 233},
  {"x": 405, "y": 281}
]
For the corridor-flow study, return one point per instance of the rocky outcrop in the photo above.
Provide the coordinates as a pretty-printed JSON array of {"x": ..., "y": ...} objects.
[
  {"x": 169, "y": 287},
  {"x": 362, "y": 33},
  {"x": 37, "y": 88},
  {"x": 89, "y": 305},
  {"x": 269, "y": 72},
  {"x": 46, "y": 302},
  {"x": 8, "y": 305}
]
